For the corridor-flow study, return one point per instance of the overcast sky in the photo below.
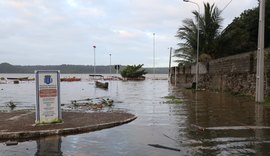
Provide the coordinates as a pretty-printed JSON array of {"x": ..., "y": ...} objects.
[{"x": 54, "y": 32}]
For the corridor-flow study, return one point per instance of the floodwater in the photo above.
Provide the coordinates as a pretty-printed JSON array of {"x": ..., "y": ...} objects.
[{"x": 202, "y": 123}]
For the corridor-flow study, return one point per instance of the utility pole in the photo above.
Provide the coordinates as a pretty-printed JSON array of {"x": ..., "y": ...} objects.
[
  {"x": 260, "y": 55},
  {"x": 198, "y": 44},
  {"x": 110, "y": 64},
  {"x": 170, "y": 61},
  {"x": 94, "y": 60},
  {"x": 154, "y": 56}
]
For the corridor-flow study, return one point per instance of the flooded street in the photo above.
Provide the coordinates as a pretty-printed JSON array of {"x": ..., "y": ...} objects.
[{"x": 202, "y": 123}]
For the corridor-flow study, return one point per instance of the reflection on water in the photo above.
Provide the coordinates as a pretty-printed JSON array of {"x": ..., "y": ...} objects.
[
  {"x": 49, "y": 146},
  {"x": 231, "y": 125},
  {"x": 205, "y": 123}
]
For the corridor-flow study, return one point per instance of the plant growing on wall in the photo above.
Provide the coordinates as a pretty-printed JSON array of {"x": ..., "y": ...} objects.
[{"x": 133, "y": 71}]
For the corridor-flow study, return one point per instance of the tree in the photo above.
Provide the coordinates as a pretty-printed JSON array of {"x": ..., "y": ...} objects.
[
  {"x": 242, "y": 34},
  {"x": 133, "y": 71},
  {"x": 187, "y": 50},
  {"x": 210, "y": 25}
]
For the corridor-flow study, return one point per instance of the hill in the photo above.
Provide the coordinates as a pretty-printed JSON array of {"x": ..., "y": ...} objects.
[{"x": 80, "y": 69}]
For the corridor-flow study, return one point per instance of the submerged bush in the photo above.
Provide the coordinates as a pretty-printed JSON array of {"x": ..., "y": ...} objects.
[{"x": 133, "y": 71}]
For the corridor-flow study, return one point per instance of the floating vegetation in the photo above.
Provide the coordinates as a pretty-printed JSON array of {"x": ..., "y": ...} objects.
[
  {"x": 11, "y": 105},
  {"x": 95, "y": 104},
  {"x": 172, "y": 100},
  {"x": 169, "y": 97},
  {"x": 107, "y": 102}
]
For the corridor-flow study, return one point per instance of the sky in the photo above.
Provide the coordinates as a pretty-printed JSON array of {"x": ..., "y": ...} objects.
[{"x": 55, "y": 32}]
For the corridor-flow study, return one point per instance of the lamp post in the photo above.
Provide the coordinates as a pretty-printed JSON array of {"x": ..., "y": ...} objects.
[
  {"x": 110, "y": 65},
  {"x": 198, "y": 42},
  {"x": 94, "y": 60},
  {"x": 260, "y": 55},
  {"x": 170, "y": 61},
  {"x": 154, "y": 62}
]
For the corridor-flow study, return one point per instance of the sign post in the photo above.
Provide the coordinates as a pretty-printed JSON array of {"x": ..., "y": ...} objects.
[
  {"x": 48, "y": 108},
  {"x": 117, "y": 67}
]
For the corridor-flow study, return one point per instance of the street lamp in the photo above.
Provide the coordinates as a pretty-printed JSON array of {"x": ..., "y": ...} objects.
[
  {"x": 170, "y": 61},
  {"x": 154, "y": 46},
  {"x": 110, "y": 65},
  {"x": 198, "y": 41},
  {"x": 94, "y": 60}
]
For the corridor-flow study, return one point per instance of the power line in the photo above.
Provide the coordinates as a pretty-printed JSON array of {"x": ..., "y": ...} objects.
[{"x": 226, "y": 6}]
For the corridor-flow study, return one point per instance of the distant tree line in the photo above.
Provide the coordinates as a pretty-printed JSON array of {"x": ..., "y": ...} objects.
[
  {"x": 239, "y": 36},
  {"x": 79, "y": 69}
]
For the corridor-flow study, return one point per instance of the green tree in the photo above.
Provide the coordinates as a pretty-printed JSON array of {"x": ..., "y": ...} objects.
[
  {"x": 133, "y": 71},
  {"x": 187, "y": 50},
  {"x": 210, "y": 25},
  {"x": 242, "y": 34}
]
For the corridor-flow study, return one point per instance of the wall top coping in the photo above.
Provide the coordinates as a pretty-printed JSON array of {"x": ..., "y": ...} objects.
[
  {"x": 232, "y": 57},
  {"x": 237, "y": 56}
]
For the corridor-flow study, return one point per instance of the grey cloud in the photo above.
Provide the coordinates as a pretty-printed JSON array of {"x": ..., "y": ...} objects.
[{"x": 64, "y": 31}]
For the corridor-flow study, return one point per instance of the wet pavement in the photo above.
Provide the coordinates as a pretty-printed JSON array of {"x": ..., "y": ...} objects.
[
  {"x": 203, "y": 123},
  {"x": 19, "y": 125}
]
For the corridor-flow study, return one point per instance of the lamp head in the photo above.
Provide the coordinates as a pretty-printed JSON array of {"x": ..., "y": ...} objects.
[{"x": 186, "y": 0}]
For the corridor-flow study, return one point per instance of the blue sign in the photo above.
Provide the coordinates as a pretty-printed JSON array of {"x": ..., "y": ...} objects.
[{"x": 48, "y": 79}]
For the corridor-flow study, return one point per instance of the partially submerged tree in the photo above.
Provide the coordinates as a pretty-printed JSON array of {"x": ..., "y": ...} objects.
[{"x": 133, "y": 71}]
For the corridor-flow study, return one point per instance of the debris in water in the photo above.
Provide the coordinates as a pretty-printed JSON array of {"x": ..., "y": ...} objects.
[
  {"x": 92, "y": 104},
  {"x": 198, "y": 127},
  {"x": 11, "y": 105},
  {"x": 164, "y": 147},
  {"x": 11, "y": 143}
]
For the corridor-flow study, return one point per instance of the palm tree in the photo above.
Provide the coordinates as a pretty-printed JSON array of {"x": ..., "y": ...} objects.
[
  {"x": 210, "y": 25},
  {"x": 188, "y": 33}
]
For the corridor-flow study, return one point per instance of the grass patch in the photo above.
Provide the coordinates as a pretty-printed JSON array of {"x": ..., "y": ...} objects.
[
  {"x": 172, "y": 100},
  {"x": 266, "y": 102},
  {"x": 54, "y": 121},
  {"x": 169, "y": 97}
]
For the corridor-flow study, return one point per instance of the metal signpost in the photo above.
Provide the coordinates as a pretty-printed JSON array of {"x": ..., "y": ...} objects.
[
  {"x": 48, "y": 108},
  {"x": 117, "y": 67}
]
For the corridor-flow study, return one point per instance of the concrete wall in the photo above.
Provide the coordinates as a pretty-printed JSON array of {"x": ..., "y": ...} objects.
[{"x": 236, "y": 74}]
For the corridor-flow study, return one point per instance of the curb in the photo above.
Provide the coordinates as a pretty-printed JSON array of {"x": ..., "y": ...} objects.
[{"x": 64, "y": 131}]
